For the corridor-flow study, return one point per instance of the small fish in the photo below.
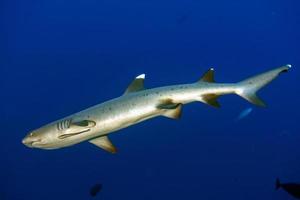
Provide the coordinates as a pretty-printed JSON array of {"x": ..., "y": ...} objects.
[
  {"x": 291, "y": 188},
  {"x": 244, "y": 114},
  {"x": 95, "y": 190}
]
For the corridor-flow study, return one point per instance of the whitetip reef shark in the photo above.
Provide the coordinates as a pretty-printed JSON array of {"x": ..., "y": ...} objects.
[{"x": 138, "y": 104}]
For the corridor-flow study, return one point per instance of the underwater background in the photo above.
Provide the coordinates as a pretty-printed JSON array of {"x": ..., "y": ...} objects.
[{"x": 61, "y": 56}]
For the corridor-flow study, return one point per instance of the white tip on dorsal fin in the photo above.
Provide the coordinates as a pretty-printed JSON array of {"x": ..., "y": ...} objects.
[
  {"x": 137, "y": 84},
  {"x": 142, "y": 76},
  {"x": 208, "y": 76}
]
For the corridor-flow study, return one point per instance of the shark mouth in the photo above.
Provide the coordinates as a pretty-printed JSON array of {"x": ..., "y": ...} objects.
[{"x": 72, "y": 134}]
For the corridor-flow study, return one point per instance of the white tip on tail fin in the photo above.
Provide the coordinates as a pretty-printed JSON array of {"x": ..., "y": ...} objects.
[{"x": 249, "y": 87}]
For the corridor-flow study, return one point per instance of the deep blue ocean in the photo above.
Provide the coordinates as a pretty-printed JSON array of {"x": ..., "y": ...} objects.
[{"x": 59, "y": 57}]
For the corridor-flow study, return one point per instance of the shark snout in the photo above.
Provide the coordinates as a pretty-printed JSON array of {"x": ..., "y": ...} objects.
[{"x": 28, "y": 141}]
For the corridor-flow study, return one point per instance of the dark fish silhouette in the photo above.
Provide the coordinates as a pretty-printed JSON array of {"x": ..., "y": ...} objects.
[
  {"x": 292, "y": 188},
  {"x": 95, "y": 190}
]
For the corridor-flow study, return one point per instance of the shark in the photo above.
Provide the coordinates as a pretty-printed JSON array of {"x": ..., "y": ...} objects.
[{"x": 138, "y": 104}]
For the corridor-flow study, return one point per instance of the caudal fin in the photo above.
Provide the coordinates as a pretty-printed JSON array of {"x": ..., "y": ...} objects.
[
  {"x": 277, "y": 184},
  {"x": 248, "y": 88}
]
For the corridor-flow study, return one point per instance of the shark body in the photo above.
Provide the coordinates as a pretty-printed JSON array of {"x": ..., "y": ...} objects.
[{"x": 138, "y": 104}]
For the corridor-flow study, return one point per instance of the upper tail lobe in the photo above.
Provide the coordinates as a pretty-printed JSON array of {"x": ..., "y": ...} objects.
[{"x": 249, "y": 87}]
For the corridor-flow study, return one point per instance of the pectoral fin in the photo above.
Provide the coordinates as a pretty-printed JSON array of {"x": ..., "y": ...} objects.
[
  {"x": 136, "y": 85},
  {"x": 104, "y": 143},
  {"x": 172, "y": 110},
  {"x": 174, "y": 113}
]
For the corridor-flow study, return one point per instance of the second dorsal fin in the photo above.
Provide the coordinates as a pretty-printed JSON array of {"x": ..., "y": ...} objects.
[
  {"x": 208, "y": 76},
  {"x": 136, "y": 85}
]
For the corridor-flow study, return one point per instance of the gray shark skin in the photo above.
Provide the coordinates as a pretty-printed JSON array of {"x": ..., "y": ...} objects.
[{"x": 138, "y": 104}]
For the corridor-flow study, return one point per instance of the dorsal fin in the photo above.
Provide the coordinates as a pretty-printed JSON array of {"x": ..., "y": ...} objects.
[
  {"x": 136, "y": 85},
  {"x": 208, "y": 76}
]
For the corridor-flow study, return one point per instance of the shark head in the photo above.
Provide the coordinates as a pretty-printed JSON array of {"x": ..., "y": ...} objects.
[
  {"x": 42, "y": 138},
  {"x": 58, "y": 134}
]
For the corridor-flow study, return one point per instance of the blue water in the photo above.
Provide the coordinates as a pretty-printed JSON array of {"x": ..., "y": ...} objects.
[{"x": 61, "y": 56}]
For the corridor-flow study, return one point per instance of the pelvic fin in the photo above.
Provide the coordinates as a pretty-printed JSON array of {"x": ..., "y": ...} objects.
[{"x": 172, "y": 110}]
